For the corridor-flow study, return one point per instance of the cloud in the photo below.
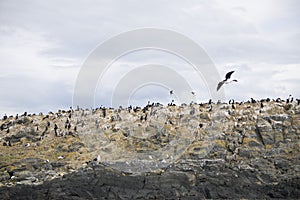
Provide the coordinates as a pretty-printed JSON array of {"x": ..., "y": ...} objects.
[
  {"x": 43, "y": 45},
  {"x": 29, "y": 81}
]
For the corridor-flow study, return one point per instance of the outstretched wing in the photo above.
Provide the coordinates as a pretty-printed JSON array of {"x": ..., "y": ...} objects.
[
  {"x": 228, "y": 75},
  {"x": 220, "y": 85}
]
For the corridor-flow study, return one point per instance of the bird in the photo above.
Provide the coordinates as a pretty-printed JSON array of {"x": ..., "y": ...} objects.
[
  {"x": 171, "y": 92},
  {"x": 232, "y": 106},
  {"x": 290, "y": 99},
  {"x": 227, "y": 76},
  {"x": 253, "y": 100},
  {"x": 55, "y": 129},
  {"x": 210, "y": 108},
  {"x": 11, "y": 173}
]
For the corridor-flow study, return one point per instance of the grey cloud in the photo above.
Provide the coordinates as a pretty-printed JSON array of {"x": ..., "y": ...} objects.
[
  {"x": 22, "y": 94},
  {"x": 237, "y": 35}
]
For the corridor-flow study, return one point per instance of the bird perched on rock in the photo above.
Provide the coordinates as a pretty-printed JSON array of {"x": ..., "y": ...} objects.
[
  {"x": 253, "y": 100},
  {"x": 225, "y": 81},
  {"x": 290, "y": 99},
  {"x": 261, "y": 105},
  {"x": 232, "y": 106},
  {"x": 55, "y": 129},
  {"x": 10, "y": 173}
]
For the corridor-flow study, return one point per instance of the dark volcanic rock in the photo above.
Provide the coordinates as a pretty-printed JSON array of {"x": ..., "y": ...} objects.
[{"x": 103, "y": 183}]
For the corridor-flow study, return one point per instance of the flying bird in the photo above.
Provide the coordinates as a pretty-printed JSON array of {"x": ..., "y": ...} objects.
[
  {"x": 227, "y": 77},
  {"x": 171, "y": 92}
]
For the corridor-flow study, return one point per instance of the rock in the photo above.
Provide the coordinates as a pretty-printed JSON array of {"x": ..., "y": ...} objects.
[
  {"x": 282, "y": 164},
  {"x": 280, "y": 117},
  {"x": 240, "y": 154},
  {"x": 268, "y": 138},
  {"x": 4, "y": 176},
  {"x": 75, "y": 146},
  {"x": 204, "y": 116},
  {"x": 57, "y": 164},
  {"x": 244, "y": 152}
]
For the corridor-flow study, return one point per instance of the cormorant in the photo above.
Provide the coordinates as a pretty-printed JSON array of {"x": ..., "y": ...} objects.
[{"x": 227, "y": 77}]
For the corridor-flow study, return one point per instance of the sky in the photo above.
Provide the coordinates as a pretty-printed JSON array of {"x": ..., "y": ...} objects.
[{"x": 43, "y": 45}]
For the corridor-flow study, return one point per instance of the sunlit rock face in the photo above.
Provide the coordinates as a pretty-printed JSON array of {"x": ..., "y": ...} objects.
[{"x": 240, "y": 150}]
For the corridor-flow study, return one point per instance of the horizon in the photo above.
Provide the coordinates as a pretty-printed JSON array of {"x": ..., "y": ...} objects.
[{"x": 142, "y": 106}]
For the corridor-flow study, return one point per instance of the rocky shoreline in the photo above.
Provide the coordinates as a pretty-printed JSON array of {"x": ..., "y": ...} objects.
[{"x": 211, "y": 150}]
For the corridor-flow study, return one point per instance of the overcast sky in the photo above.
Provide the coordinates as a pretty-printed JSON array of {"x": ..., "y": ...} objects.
[{"x": 44, "y": 43}]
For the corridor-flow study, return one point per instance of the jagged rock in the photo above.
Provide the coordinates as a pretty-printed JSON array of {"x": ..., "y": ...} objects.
[
  {"x": 57, "y": 164},
  {"x": 176, "y": 152},
  {"x": 75, "y": 146},
  {"x": 281, "y": 117},
  {"x": 4, "y": 176}
]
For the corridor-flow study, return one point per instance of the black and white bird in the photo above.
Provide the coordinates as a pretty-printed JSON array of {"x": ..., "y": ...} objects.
[{"x": 227, "y": 77}]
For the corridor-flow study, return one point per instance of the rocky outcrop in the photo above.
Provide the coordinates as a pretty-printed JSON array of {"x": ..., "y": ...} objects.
[{"x": 240, "y": 150}]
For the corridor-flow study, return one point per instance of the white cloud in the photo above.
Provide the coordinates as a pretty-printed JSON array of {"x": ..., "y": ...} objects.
[
  {"x": 28, "y": 79},
  {"x": 43, "y": 44}
]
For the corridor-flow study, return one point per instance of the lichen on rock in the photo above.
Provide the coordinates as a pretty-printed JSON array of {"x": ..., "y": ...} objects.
[{"x": 186, "y": 151}]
